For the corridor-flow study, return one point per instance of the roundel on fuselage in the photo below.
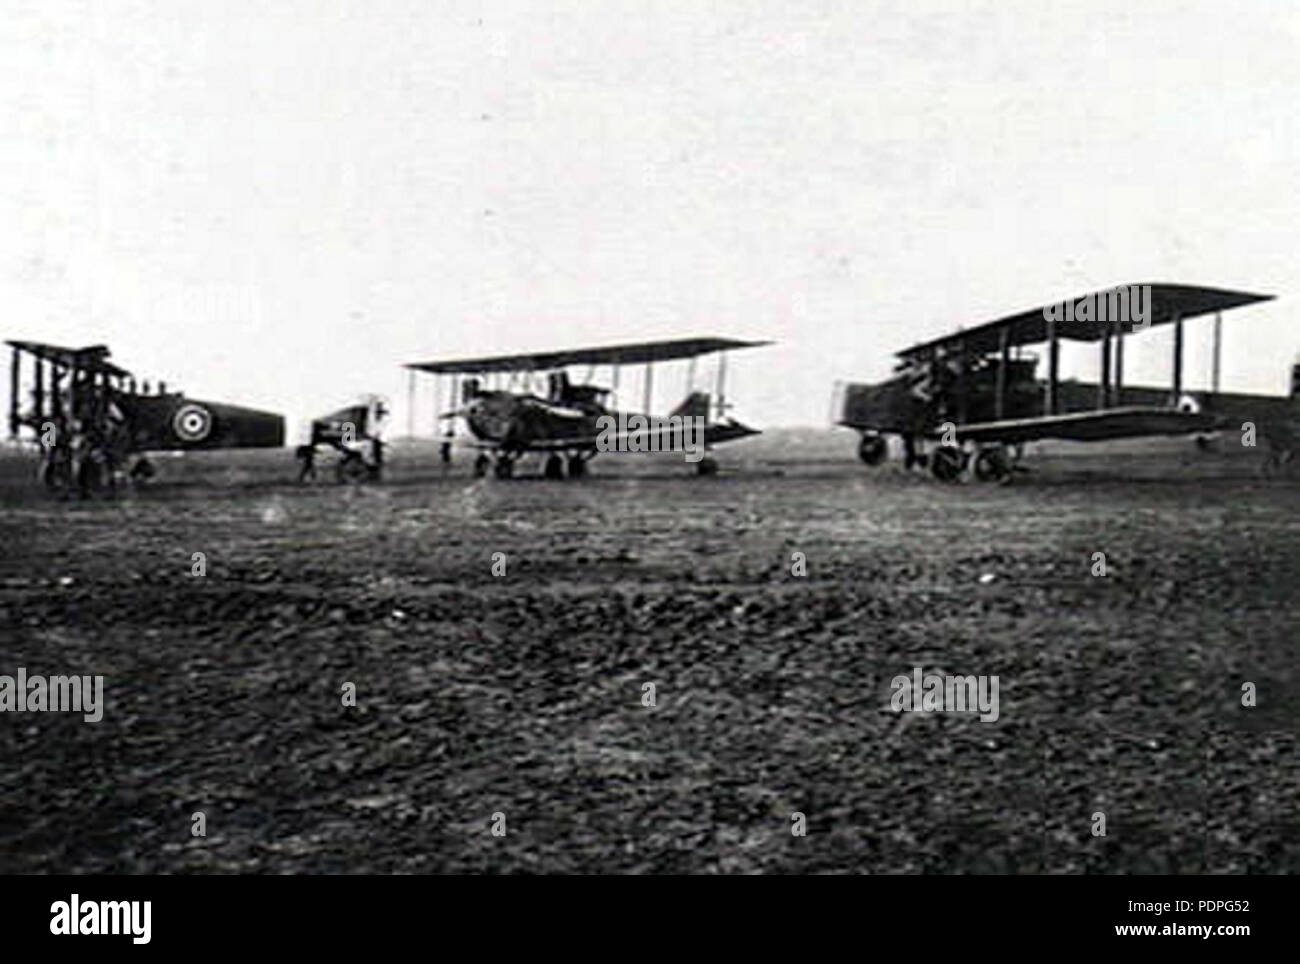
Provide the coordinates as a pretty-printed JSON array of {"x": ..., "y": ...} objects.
[{"x": 192, "y": 423}]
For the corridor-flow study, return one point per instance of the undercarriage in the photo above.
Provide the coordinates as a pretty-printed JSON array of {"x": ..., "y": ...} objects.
[{"x": 990, "y": 462}]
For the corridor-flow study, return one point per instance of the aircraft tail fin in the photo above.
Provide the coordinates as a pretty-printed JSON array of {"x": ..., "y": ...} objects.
[{"x": 696, "y": 403}]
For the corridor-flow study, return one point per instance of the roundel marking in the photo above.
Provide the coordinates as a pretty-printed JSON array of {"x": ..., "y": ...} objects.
[
  {"x": 192, "y": 423},
  {"x": 1189, "y": 404}
]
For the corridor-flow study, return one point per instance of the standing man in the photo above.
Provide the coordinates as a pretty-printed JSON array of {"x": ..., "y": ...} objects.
[{"x": 306, "y": 454}]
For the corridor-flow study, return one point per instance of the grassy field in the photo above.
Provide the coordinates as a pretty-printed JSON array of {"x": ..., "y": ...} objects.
[{"x": 521, "y": 693}]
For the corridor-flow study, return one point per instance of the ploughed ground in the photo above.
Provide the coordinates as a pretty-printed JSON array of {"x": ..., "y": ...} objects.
[{"x": 521, "y": 694}]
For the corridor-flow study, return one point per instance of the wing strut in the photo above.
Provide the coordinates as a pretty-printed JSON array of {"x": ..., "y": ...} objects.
[
  {"x": 410, "y": 403},
  {"x": 453, "y": 403},
  {"x": 14, "y": 370},
  {"x": 1053, "y": 367},
  {"x": 963, "y": 381},
  {"x": 1117, "y": 375},
  {"x": 1103, "y": 384},
  {"x": 39, "y": 394},
  {"x": 1218, "y": 348},
  {"x": 1178, "y": 358},
  {"x": 1000, "y": 399},
  {"x": 649, "y": 387},
  {"x": 721, "y": 405}
]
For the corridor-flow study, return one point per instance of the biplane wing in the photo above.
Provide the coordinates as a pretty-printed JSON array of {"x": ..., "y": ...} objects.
[
  {"x": 80, "y": 385},
  {"x": 569, "y": 418},
  {"x": 628, "y": 354},
  {"x": 974, "y": 386},
  {"x": 663, "y": 439},
  {"x": 1092, "y": 426},
  {"x": 1167, "y": 303},
  {"x": 92, "y": 358}
]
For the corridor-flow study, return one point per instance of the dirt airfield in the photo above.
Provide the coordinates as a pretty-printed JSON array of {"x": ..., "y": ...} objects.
[{"x": 485, "y": 699}]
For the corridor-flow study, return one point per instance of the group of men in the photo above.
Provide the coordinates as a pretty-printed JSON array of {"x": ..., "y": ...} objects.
[
  {"x": 85, "y": 439},
  {"x": 932, "y": 383}
]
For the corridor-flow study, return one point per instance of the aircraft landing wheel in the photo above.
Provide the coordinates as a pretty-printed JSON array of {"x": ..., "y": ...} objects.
[
  {"x": 577, "y": 466},
  {"x": 554, "y": 467},
  {"x": 991, "y": 465},
  {"x": 504, "y": 468},
  {"x": 706, "y": 466},
  {"x": 481, "y": 465},
  {"x": 873, "y": 449},
  {"x": 947, "y": 463}
]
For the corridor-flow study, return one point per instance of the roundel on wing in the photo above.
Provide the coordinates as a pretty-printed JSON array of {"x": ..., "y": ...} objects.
[
  {"x": 1189, "y": 404},
  {"x": 192, "y": 423}
]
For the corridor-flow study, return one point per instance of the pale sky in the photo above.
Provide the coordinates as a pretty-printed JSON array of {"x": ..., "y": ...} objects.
[{"x": 279, "y": 203}]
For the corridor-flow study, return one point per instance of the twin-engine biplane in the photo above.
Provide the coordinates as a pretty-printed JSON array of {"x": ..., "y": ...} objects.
[
  {"x": 976, "y": 391},
  {"x": 89, "y": 417},
  {"x": 569, "y": 423}
]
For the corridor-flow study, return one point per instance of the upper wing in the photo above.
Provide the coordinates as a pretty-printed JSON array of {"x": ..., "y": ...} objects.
[
  {"x": 646, "y": 351},
  {"x": 1167, "y": 302},
  {"x": 1092, "y": 426},
  {"x": 92, "y": 358}
]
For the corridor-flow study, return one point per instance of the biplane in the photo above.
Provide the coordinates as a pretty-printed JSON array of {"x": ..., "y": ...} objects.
[
  {"x": 977, "y": 394},
  {"x": 89, "y": 417},
  {"x": 568, "y": 423},
  {"x": 356, "y": 433}
]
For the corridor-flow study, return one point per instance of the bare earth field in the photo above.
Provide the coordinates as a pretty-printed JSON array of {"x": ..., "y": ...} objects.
[{"x": 522, "y": 694}]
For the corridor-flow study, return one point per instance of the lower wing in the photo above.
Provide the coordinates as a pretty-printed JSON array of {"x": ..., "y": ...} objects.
[{"x": 1095, "y": 426}]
